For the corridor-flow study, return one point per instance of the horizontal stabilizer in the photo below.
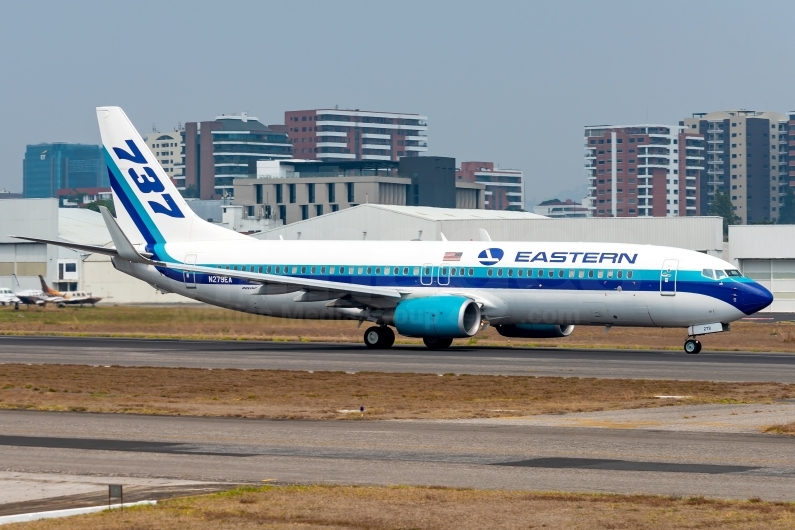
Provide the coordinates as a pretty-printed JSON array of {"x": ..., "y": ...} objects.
[{"x": 73, "y": 246}]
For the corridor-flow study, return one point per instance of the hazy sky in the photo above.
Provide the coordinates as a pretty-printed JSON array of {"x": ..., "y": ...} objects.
[{"x": 509, "y": 82}]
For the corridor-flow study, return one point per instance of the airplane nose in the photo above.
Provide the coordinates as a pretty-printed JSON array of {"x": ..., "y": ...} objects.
[{"x": 754, "y": 298}]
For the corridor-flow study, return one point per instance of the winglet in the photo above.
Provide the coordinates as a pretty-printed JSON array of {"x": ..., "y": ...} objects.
[
  {"x": 120, "y": 241},
  {"x": 484, "y": 236}
]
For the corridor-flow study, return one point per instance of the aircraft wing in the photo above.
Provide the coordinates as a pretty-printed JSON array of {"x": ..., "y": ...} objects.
[{"x": 288, "y": 281}]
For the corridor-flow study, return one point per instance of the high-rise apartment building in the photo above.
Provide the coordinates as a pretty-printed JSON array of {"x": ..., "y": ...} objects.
[
  {"x": 746, "y": 158},
  {"x": 167, "y": 148},
  {"x": 48, "y": 168},
  {"x": 335, "y": 134},
  {"x": 504, "y": 187},
  {"x": 216, "y": 152},
  {"x": 643, "y": 170}
]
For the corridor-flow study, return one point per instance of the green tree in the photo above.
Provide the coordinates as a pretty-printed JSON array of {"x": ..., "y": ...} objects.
[
  {"x": 96, "y": 204},
  {"x": 190, "y": 192},
  {"x": 722, "y": 207},
  {"x": 786, "y": 214}
]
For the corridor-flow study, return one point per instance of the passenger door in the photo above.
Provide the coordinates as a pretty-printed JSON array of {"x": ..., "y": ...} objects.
[
  {"x": 444, "y": 275},
  {"x": 188, "y": 276},
  {"x": 668, "y": 277},
  {"x": 426, "y": 274}
]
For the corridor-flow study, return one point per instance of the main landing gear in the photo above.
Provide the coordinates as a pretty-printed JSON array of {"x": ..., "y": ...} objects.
[
  {"x": 692, "y": 346},
  {"x": 379, "y": 337}
]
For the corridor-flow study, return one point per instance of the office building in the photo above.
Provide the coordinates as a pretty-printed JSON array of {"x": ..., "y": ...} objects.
[
  {"x": 558, "y": 209},
  {"x": 643, "y": 170},
  {"x": 504, "y": 187},
  {"x": 335, "y": 134},
  {"x": 296, "y": 190},
  {"x": 48, "y": 168},
  {"x": 167, "y": 148},
  {"x": 746, "y": 158},
  {"x": 216, "y": 152}
]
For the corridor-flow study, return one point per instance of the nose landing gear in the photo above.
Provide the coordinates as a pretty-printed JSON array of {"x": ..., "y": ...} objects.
[
  {"x": 692, "y": 346},
  {"x": 379, "y": 337}
]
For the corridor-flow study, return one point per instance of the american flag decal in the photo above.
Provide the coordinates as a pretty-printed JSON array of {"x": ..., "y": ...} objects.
[{"x": 453, "y": 256}]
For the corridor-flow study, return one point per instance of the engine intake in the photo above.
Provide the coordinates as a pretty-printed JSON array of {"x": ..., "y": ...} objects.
[
  {"x": 534, "y": 331},
  {"x": 437, "y": 316}
]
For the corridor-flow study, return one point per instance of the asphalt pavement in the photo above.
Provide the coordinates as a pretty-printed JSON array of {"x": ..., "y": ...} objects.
[
  {"x": 635, "y": 364},
  {"x": 470, "y": 454}
]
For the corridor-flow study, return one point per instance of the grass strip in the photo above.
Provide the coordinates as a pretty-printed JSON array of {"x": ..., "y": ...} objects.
[
  {"x": 207, "y": 323},
  {"x": 400, "y": 508},
  {"x": 282, "y": 394}
]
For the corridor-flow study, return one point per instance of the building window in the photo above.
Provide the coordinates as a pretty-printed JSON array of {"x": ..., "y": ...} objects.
[
  {"x": 304, "y": 212},
  {"x": 291, "y": 188},
  {"x": 310, "y": 191},
  {"x": 335, "y": 207},
  {"x": 283, "y": 213},
  {"x": 350, "y": 191},
  {"x": 279, "y": 194},
  {"x": 332, "y": 196}
]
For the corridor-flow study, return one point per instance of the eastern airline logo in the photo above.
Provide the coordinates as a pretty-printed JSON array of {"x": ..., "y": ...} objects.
[
  {"x": 148, "y": 181},
  {"x": 490, "y": 256}
]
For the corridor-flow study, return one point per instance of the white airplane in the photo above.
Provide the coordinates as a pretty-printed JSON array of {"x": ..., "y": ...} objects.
[
  {"x": 33, "y": 296},
  {"x": 70, "y": 298},
  {"x": 7, "y": 296},
  {"x": 435, "y": 290}
]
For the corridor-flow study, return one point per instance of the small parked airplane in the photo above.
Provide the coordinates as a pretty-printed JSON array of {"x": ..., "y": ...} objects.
[
  {"x": 34, "y": 297},
  {"x": 7, "y": 296},
  {"x": 435, "y": 290},
  {"x": 70, "y": 298}
]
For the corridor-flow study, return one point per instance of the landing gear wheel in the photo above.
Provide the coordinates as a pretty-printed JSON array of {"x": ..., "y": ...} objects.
[
  {"x": 692, "y": 346},
  {"x": 435, "y": 343},
  {"x": 379, "y": 337}
]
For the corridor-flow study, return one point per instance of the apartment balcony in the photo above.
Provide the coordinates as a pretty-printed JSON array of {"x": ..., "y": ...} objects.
[{"x": 383, "y": 146}]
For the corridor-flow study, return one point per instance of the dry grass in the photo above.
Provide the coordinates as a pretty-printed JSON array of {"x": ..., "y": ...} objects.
[
  {"x": 788, "y": 428},
  {"x": 361, "y": 508},
  {"x": 203, "y": 322},
  {"x": 322, "y": 395}
]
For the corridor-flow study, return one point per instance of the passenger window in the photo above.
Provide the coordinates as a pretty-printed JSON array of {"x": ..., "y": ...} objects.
[
  {"x": 471, "y": 272},
  {"x": 268, "y": 269},
  {"x": 303, "y": 270},
  {"x": 397, "y": 271},
  {"x": 427, "y": 271},
  {"x": 719, "y": 274},
  {"x": 361, "y": 270},
  {"x": 519, "y": 272},
  {"x": 551, "y": 273},
  {"x": 618, "y": 274},
  {"x": 444, "y": 271},
  {"x": 462, "y": 272},
  {"x": 453, "y": 271},
  {"x": 331, "y": 270},
  {"x": 387, "y": 270},
  {"x": 629, "y": 274},
  {"x": 541, "y": 273},
  {"x": 499, "y": 272},
  {"x": 295, "y": 270},
  {"x": 322, "y": 270},
  {"x": 707, "y": 273},
  {"x": 599, "y": 274},
  {"x": 609, "y": 274},
  {"x": 342, "y": 270},
  {"x": 581, "y": 274},
  {"x": 571, "y": 274},
  {"x": 510, "y": 272},
  {"x": 490, "y": 272},
  {"x": 369, "y": 270},
  {"x": 416, "y": 271},
  {"x": 560, "y": 273},
  {"x": 377, "y": 270},
  {"x": 406, "y": 271},
  {"x": 313, "y": 270},
  {"x": 590, "y": 274}
]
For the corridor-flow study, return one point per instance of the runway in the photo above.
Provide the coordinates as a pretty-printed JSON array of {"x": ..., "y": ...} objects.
[
  {"x": 468, "y": 454},
  {"x": 635, "y": 364}
]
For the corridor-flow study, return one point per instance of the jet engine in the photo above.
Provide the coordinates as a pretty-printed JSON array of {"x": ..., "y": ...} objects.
[
  {"x": 436, "y": 316},
  {"x": 534, "y": 331}
]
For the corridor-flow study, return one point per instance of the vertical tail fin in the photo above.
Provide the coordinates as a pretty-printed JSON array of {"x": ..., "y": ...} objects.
[
  {"x": 46, "y": 289},
  {"x": 149, "y": 209}
]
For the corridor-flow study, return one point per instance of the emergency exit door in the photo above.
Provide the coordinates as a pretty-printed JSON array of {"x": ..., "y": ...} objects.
[{"x": 668, "y": 277}]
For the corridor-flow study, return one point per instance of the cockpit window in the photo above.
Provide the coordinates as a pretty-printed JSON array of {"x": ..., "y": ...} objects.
[
  {"x": 719, "y": 274},
  {"x": 733, "y": 272},
  {"x": 708, "y": 274}
]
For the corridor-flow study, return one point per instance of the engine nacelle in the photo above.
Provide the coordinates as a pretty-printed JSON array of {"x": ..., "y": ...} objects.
[
  {"x": 534, "y": 331},
  {"x": 449, "y": 317}
]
